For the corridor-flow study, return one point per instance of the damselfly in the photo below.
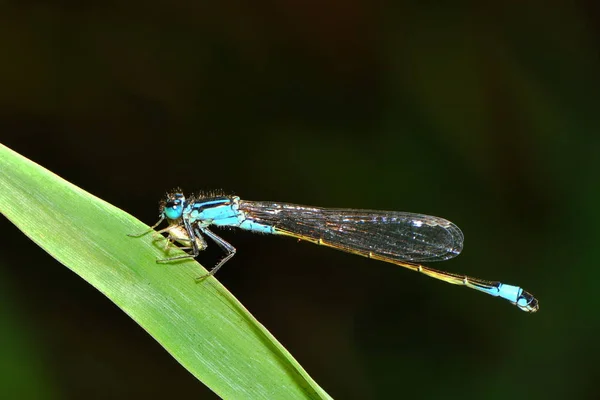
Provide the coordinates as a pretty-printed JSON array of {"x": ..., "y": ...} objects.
[{"x": 400, "y": 238}]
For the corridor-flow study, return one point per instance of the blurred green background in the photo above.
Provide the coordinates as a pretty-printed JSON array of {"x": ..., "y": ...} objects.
[{"x": 485, "y": 114}]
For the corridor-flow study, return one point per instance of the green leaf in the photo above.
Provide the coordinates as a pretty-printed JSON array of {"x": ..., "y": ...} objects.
[{"x": 202, "y": 325}]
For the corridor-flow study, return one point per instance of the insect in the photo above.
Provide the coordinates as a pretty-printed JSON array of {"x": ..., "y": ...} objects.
[{"x": 400, "y": 238}]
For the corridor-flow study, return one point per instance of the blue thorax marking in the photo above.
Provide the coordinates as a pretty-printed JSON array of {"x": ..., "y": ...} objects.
[
  {"x": 208, "y": 203},
  {"x": 220, "y": 211}
]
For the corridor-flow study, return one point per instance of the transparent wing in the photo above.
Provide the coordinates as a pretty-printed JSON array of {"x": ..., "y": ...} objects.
[{"x": 398, "y": 236}]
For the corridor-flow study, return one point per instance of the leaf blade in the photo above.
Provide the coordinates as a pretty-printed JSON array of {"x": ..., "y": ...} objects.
[{"x": 202, "y": 325}]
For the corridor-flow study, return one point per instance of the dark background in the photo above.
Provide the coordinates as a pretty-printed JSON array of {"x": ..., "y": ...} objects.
[{"x": 482, "y": 113}]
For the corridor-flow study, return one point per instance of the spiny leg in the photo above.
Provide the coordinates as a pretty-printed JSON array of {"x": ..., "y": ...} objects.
[{"x": 226, "y": 247}]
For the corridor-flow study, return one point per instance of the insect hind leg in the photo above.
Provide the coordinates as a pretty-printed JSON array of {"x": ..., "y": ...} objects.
[{"x": 225, "y": 246}]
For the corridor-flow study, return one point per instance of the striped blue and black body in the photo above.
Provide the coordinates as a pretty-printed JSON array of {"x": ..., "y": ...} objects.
[{"x": 400, "y": 238}]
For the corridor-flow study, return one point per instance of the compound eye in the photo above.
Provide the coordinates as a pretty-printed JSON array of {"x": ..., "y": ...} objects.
[{"x": 173, "y": 209}]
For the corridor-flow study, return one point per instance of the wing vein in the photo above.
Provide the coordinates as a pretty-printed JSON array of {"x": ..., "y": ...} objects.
[{"x": 400, "y": 236}]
